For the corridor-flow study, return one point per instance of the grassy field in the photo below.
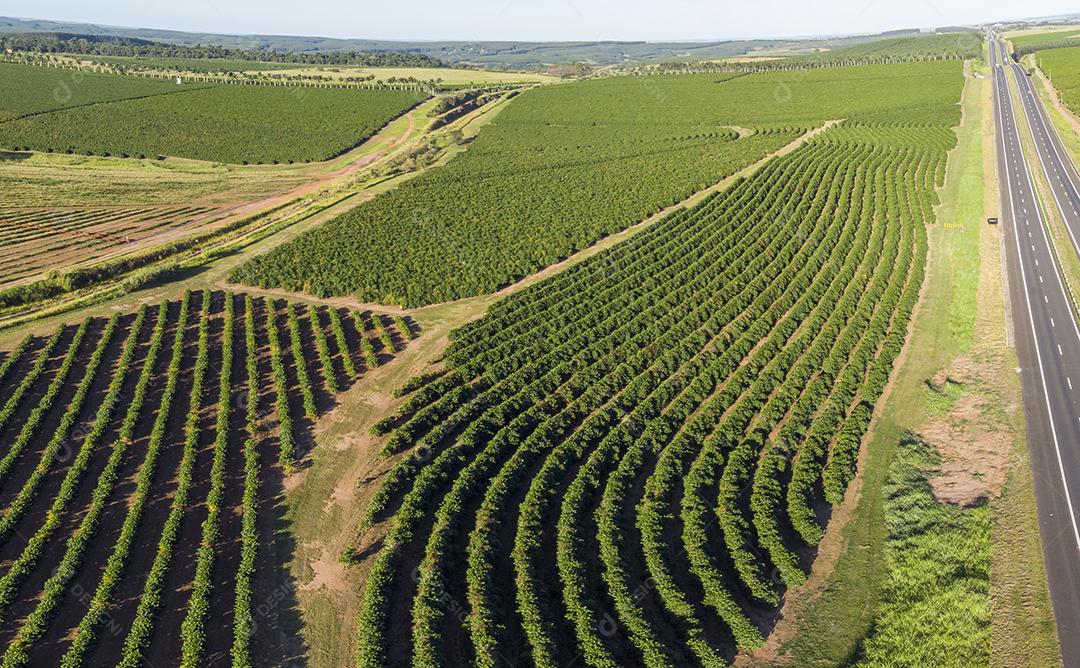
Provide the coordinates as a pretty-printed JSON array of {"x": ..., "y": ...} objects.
[
  {"x": 936, "y": 609},
  {"x": 43, "y": 179}
]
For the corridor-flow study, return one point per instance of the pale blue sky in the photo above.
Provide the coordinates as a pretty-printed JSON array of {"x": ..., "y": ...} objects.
[{"x": 535, "y": 19}]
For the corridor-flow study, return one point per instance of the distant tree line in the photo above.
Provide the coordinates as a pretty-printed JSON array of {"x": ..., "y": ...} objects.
[
  {"x": 99, "y": 45},
  {"x": 900, "y": 32}
]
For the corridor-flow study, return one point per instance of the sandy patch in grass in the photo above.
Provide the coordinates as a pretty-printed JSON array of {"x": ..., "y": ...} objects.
[{"x": 975, "y": 444}]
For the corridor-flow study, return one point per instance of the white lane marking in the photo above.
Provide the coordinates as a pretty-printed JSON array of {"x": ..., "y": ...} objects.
[
  {"x": 1043, "y": 120},
  {"x": 1069, "y": 381},
  {"x": 1038, "y": 353},
  {"x": 1042, "y": 161},
  {"x": 1046, "y": 238},
  {"x": 1059, "y": 350}
]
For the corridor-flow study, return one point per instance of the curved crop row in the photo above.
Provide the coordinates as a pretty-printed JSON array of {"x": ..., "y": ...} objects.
[{"x": 655, "y": 428}]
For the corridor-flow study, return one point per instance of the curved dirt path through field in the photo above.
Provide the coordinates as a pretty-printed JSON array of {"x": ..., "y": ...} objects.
[
  {"x": 309, "y": 187},
  {"x": 601, "y": 245},
  {"x": 219, "y": 218},
  {"x": 329, "y": 495}
]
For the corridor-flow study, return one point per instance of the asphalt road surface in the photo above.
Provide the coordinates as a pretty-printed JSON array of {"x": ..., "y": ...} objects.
[
  {"x": 1052, "y": 158},
  {"x": 1047, "y": 340}
]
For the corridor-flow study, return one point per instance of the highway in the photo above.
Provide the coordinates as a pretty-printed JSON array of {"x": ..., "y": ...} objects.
[
  {"x": 1047, "y": 340},
  {"x": 1053, "y": 158}
]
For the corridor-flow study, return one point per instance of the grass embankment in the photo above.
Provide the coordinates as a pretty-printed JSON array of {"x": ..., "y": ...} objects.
[
  {"x": 960, "y": 325},
  {"x": 936, "y": 611}
]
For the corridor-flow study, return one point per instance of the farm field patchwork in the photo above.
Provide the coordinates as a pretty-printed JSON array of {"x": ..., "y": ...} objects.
[
  {"x": 952, "y": 45},
  {"x": 961, "y": 44},
  {"x": 132, "y": 116},
  {"x": 537, "y": 184},
  {"x": 143, "y": 460},
  {"x": 631, "y": 462},
  {"x": 653, "y": 358}
]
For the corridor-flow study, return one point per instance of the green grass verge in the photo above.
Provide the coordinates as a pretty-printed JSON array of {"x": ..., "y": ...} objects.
[
  {"x": 937, "y": 609},
  {"x": 834, "y": 623}
]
